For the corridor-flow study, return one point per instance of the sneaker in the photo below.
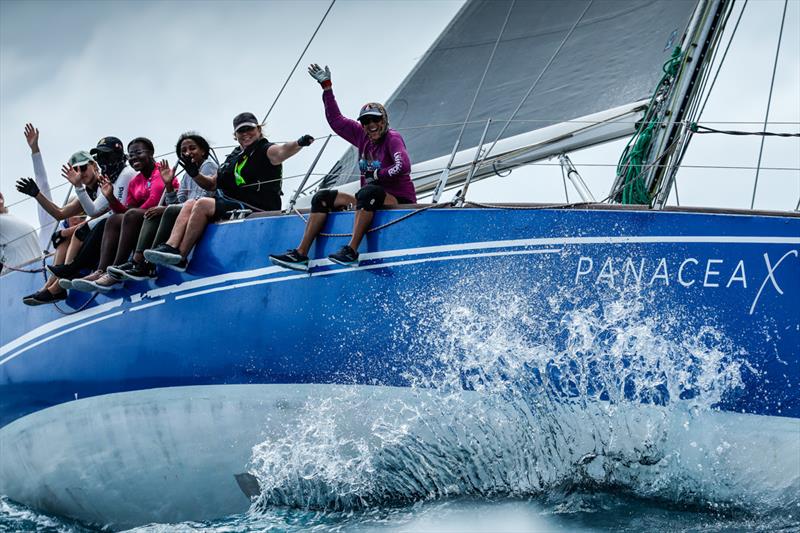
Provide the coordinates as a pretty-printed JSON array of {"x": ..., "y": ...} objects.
[
  {"x": 44, "y": 297},
  {"x": 65, "y": 284},
  {"x": 66, "y": 271},
  {"x": 292, "y": 259},
  {"x": 346, "y": 256},
  {"x": 178, "y": 267},
  {"x": 163, "y": 254},
  {"x": 106, "y": 283},
  {"x": 135, "y": 271},
  {"x": 86, "y": 283}
]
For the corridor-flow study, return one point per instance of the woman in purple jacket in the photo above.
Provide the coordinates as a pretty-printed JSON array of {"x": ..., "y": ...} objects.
[{"x": 385, "y": 176}]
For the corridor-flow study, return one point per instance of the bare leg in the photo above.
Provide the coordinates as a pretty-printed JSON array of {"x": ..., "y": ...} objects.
[
  {"x": 129, "y": 233},
  {"x": 75, "y": 245},
  {"x": 179, "y": 229},
  {"x": 202, "y": 213},
  {"x": 58, "y": 259},
  {"x": 108, "y": 248},
  {"x": 316, "y": 221},
  {"x": 363, "y": 221}
]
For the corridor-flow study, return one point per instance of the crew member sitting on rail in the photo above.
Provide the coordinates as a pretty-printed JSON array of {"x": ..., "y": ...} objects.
[
  {"x": 122, "y": 229},
  {"x": 385, "y": 176},
  {"x": 250, "y": 178},
  {"x": 84, "y": 248},
  {"x": 85, "y": 170},
  {"x": 193, "y": 153}
]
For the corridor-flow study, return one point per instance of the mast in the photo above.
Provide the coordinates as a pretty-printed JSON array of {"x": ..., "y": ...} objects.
[{"x": 670, "y": 140}]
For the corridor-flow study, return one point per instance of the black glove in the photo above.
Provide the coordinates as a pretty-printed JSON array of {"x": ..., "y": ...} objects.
[
  {"x": 305, "y": 140},
  {"x": 371, "y": 175},
  {"x": 191, "y": 169},
  {"x": 56, "y": 238},
  {"x": 27, "y": 186}
]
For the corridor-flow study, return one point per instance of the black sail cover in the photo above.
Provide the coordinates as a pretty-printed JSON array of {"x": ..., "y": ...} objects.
[{"x": 613, "y": 57}]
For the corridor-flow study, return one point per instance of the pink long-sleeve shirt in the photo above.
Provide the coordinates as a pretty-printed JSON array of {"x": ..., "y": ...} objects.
[
  {"x": 395, "y": 172},
  {"x": 144, "y": 193}
]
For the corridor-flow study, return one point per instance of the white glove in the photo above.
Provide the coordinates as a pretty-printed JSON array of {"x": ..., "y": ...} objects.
[{"x": 322, "y": 76}]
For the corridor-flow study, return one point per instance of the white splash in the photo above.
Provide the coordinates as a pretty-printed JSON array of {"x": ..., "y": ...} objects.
[{"x": 514, "y": 396}]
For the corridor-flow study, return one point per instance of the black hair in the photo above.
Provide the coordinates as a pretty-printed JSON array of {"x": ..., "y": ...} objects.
[
  {"x": 143, "y": 140},
  {"x": 197, "y": 138}
]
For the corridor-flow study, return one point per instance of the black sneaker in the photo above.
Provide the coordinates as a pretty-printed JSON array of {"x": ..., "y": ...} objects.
[
  {"x": 135, "y": 271},
  {"x": 44, "y": 297},
  {"x": 66, "y": 271},
  {"x": 292, "y": 259},
  {"x": 163, "y": 254},
  {"x": 178, "y": 267},
  {"x": 346, "y": 256}
]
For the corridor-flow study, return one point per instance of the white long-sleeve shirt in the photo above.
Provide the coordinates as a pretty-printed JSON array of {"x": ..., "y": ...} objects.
[
  {"x": 47, "y": 224},
  {"x": 98, "y": 208},
  {"x": 18, "y": 242}
]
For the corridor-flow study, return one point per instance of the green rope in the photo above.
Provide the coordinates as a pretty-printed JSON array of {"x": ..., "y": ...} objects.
[{"x": 633, "y": 160}]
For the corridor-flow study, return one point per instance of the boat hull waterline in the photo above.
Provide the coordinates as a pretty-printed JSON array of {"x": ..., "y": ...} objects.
[{"x": 664, "y": 308}]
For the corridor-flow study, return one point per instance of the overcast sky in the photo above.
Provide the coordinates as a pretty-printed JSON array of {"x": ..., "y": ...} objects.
[{"x": 83, "y": 70}]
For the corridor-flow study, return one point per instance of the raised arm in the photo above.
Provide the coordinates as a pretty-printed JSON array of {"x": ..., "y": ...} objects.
[
  {"x": 93, "y": 208},
  {"x": 206, "y": 181},
  {"x": 46, "y": 222},
  {"x": 278, "y": 153},
  {"x": 346, "y": 128},
  {"x": 28, "y": 186}
]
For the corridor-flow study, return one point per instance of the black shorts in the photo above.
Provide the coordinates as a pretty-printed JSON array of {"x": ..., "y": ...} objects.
[{"x": 223, "y": 204}]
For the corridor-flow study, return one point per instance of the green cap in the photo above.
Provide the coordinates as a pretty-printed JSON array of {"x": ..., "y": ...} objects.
[{"x": 80, "y": 158}]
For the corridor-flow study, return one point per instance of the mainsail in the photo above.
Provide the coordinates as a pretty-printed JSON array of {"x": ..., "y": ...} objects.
[{"x": 612, "y": 58}]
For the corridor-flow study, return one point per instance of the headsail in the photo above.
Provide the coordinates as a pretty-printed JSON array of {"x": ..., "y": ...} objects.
[{"x": 612, "y": 58}]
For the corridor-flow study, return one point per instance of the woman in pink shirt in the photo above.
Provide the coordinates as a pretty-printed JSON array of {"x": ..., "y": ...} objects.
[{"x": 122, "y": 229}]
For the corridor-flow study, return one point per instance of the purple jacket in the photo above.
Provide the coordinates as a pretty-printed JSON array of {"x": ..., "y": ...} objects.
[{"x": 395, "y": 172}]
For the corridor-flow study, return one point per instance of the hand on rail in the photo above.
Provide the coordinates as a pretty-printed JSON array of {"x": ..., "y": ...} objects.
[{"x": 305, "y": 140}]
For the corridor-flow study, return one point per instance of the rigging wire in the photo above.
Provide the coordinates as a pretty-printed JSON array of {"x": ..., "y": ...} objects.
[
  {"x": 722, "y": 62},
  {"x": 538, "y": 78},
  {"x": 298, "y": 61},
  {"x": 769, "y": 101},
  {"x": 696, "y": 128},
  {"x": 483, "y": 78}
]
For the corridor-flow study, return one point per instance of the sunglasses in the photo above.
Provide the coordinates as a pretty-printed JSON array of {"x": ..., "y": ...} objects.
[
  {"x": 80, "y": 168},
  {"x": 369, "y": 119},
  {"x": 245, "y": 129}
]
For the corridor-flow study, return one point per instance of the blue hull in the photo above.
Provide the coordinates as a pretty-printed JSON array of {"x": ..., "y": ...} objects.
[
  {"x": 615, "y": 318},
  {"x": 235, "y": 319}
]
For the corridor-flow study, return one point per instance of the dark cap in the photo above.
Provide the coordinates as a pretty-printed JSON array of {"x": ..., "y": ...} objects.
[
  {"x": 372, "y": 109},
  {"x": 107, "y": 144},
  {"x": 244, "y": 120}
]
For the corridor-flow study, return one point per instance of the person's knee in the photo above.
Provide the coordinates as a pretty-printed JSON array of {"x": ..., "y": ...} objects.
[
  {"x": 203, "y": 208},
  {"x": 323, "y": 201},
  {"x": 370, "y": 197}
]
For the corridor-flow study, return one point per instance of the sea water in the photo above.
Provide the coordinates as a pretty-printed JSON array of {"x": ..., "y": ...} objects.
[{"x": 525, "y": 415}]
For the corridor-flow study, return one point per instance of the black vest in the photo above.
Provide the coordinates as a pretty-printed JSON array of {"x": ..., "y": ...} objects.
[{"x": 262, "y": 180}]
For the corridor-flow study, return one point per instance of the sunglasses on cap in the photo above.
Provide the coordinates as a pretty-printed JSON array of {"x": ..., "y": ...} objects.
[{"x": 369, "y": 119}]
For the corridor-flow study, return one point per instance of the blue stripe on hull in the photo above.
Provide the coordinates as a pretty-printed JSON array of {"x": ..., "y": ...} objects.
[{"x": 235, "y": 319}]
